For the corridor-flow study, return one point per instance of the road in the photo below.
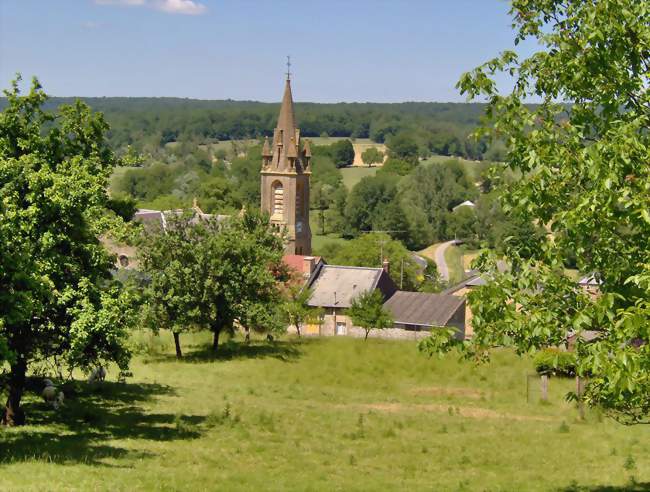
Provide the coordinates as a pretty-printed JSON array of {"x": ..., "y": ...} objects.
[{"x": 439, "y": 258}]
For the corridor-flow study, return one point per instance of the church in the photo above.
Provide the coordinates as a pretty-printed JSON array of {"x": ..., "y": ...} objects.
[{"x": 286, "y": 168}]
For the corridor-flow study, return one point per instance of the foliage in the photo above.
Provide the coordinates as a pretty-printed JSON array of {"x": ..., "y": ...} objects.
[
  {"x": 296, "y": 310},
  {"x": 372, "y": 155},
  {"x": 555, "y": 361},
  {"x": 212, "y": 274},
  {"x": 584, "y": 177},
  {"x": 397, "y": 166},
  {"x": 369, "y": 249},
  {"x": 368, "y": 312},
  {"x": 58, "y": 303},
  {"x": 341, "y": 153},
  {"x": 402, "y": 146},
  {"x": 147, "y": 124}
]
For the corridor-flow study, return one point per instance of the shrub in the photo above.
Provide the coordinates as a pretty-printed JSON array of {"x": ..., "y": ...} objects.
[{"x": 556, "y": 362}]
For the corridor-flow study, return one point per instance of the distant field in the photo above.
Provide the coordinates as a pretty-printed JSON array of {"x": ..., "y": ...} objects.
[
  {"x": 319, "y": 414},
  {"x": 352, "y": 175}
]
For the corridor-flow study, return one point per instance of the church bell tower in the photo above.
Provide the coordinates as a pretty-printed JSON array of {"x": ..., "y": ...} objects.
[{"x": 286, "y": 168}]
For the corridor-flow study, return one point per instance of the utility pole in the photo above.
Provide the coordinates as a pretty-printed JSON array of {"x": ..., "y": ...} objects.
[{"x": 401, "y": 276}]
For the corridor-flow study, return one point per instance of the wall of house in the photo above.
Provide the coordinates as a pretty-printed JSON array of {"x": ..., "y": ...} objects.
[
  {"x": 469, "y": 332},
  {"x": 399, "y": 332}
]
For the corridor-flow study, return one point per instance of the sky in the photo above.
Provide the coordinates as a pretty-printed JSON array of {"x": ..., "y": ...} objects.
[{"x": 355, "y": 50}]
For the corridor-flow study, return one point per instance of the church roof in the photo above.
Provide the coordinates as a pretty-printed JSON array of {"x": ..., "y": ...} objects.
[{"x": 286, "y": 137}]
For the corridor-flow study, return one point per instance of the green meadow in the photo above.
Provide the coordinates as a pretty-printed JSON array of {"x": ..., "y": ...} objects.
[{"x": 318, "y": 414}]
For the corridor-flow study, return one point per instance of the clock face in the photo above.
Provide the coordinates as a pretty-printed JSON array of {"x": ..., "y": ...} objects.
[{"x": 298, "y": 226}]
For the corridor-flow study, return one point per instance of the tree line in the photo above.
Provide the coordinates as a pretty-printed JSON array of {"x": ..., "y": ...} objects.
[{"x": 149, "y": 123}]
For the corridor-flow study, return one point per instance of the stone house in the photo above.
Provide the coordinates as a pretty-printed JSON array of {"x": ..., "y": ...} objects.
[{"x": 334, "y": 288}]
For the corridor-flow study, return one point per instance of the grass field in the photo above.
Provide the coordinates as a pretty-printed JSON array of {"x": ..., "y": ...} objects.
[
  {"x": 321, "y": 414},
  {"x": 352, "y": 175},
  {"x": 454, "y": 260}
]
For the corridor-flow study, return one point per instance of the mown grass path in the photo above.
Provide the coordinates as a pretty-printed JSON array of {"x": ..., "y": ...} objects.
[{"x": 319, "y": 414}]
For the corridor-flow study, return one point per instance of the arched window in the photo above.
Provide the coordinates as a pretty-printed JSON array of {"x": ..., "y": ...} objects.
[{"x": 277, "y": 200}]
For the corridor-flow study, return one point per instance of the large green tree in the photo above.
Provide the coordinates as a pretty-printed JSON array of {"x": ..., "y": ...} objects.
[
  {"x": 368, "y": 312},
  {"x": 211, "y": 274},
  {"x": 57, "y": 301},
  {"x": 583, "y": 156}
]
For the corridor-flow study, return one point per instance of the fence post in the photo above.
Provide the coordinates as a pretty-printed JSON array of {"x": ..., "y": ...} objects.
[{"x": 544, "y": 387}]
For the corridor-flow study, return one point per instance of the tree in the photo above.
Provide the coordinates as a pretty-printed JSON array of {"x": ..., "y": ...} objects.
[
  {"x": 371, "y": 156},
  {"x": 170, "y": 263},
  {"x": 296, "y": 309},
  {"x": 397, "y": 166},
  {"x": 366, "y": 199},
  {"x": 369, "y": 250},
  {"x": 583, "y": 155},
  {"x": 342, "y": 153},
  {"x": 402, "y": 146},
  {"x": 212, "y": 274},
  {"x": 58, "y": 303},
  {"x": 368, "y": 312},
  {"x": 238, "y": 259}
]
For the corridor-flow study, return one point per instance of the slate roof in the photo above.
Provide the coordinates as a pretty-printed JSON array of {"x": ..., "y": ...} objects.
[
  {"x": 337, "y": 286},
  {"x": 423, "y": 309},
  {"x": 159, "y": 217}
]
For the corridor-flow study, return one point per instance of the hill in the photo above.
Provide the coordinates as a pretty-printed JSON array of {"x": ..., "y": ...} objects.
[{"x": 321, "y": 414}]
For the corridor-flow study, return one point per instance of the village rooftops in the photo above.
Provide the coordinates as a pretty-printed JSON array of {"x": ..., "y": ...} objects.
[
  {"x": 423, "y": 309},
  {"x": 159, "y": 217},
  {"x": 336, "y": 286}
]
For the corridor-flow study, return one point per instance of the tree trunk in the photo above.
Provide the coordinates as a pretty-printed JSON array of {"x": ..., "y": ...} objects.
[
  {"x": 367, "y": 333},
  {"x": 298, "y": 329},
  {"x": 13, "y": 414},
  {"x": 247, "y": 338},
  {"x": 177, "y": 343},
  {"x": 215, "y": 340}
]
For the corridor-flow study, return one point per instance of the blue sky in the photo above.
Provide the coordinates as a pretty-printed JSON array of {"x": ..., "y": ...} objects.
[{"x": 355, "y": 50}]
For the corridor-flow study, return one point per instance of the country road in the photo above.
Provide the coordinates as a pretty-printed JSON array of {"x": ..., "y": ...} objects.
[{"x": 439, "y": 258}]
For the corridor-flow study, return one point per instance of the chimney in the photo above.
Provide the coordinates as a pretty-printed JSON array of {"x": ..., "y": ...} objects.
[
  {"x": 386, "y": 265},
  {"x": 309, "y": 262}
]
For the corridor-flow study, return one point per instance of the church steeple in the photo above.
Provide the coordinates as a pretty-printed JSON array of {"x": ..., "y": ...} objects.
[
  {"x": 285, "y": 178},
  {"x": 286, "y": 137}
]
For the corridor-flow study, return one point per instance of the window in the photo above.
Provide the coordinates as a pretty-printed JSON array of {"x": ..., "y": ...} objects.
[{"x": 277, "y": 200}]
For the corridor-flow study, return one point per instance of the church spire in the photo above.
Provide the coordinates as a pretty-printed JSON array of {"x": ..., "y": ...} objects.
[{"x": 286, "y": 138}]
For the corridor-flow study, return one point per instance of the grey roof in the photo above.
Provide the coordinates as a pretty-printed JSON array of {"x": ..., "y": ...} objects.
[
  {"x": 423, "y": 309},
  {"x": 471, "y": 281},
  {"x": 337, "y": 286},
  {"x": 590, "y": 280},
  {"x": 159, "y": 217}
]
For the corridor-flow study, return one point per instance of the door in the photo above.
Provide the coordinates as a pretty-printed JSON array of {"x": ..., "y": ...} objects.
[{"x": 341, "y": 328}]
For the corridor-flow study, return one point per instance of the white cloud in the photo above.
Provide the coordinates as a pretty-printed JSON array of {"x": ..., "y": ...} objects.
[{"x": 188, "y": 7}]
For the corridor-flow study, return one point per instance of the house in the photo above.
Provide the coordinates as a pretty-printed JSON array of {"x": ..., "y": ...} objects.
[
  {"x": 126, "y": 256},
  {"x": 334, "y": 288},
  {"x": 466, "y": 203},
  {"x": 463, "y": 288},
  {"x": 420, "y": 311},
  {"x": 591, "y": 285}
]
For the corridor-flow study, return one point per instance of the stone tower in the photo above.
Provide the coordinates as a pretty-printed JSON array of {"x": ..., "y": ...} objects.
[{"x": 285, "y": 179}]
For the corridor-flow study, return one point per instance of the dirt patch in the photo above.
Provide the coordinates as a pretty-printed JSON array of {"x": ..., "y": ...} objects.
[
  {"x": 441, "y": 391},
  {"x": 469, "y": 412}
]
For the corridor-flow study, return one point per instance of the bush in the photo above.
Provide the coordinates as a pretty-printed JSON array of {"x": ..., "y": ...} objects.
[{"x": 556, "y": 362}]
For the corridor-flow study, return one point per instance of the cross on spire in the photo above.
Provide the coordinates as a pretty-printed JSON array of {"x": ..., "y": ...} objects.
[{"x": 288, "y": 67}]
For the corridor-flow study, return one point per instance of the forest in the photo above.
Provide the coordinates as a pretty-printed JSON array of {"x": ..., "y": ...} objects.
[{"x": 150, "y": 123}]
